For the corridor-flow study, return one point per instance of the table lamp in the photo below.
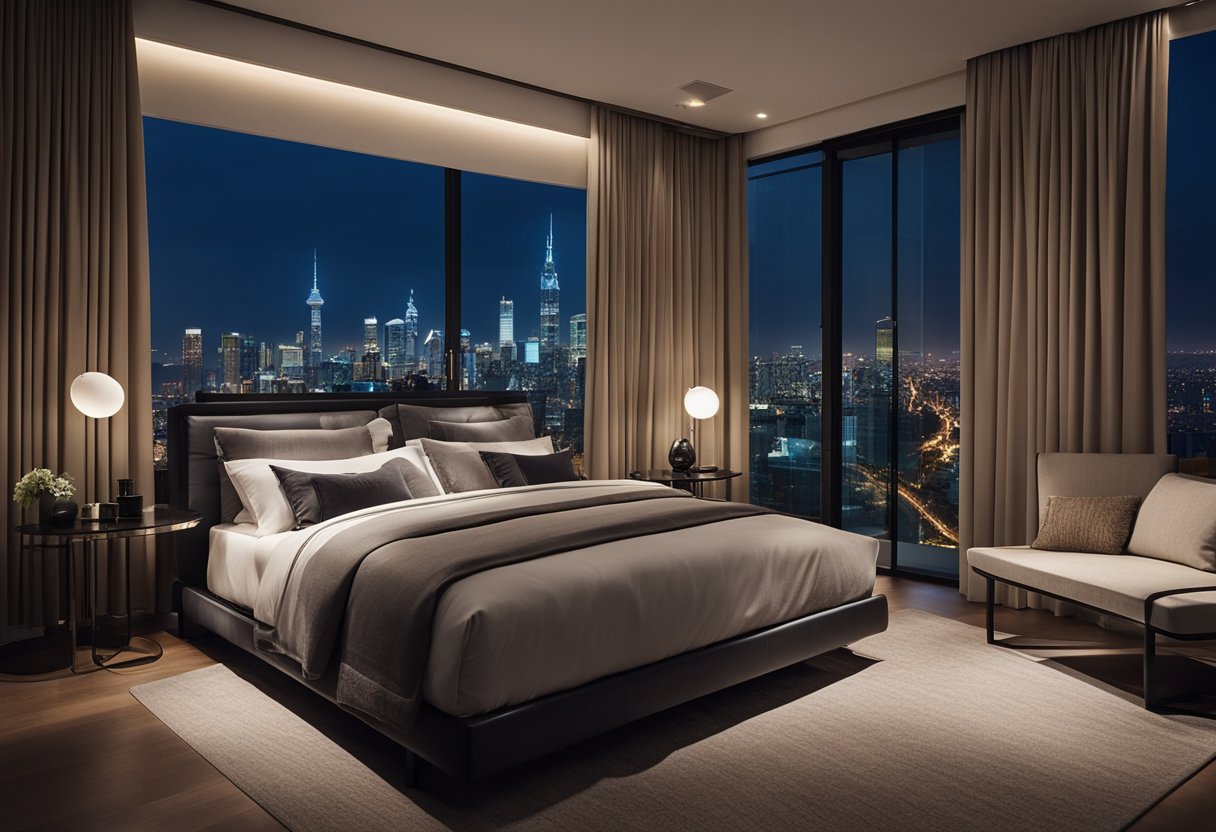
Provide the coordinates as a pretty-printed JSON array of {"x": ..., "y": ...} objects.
[
  {"x": 699, "y": 403},
  {"x": 97, "y": 396}
]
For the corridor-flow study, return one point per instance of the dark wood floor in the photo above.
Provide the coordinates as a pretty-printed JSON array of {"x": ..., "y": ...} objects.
[{"x": 81, "y": 753}]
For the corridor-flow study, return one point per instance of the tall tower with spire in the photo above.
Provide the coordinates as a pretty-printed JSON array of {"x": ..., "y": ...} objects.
[
  {"x": 411, "y": 332},
  {"x": 550, "y": 298},
  {"x": 314, "y": 306}
]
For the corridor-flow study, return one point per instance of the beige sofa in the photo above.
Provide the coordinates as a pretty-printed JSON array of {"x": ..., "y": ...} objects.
[{"x": 1171, "y": 592}]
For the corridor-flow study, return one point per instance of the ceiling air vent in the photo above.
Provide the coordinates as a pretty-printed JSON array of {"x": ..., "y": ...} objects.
[{"x": 699, "y": 93}]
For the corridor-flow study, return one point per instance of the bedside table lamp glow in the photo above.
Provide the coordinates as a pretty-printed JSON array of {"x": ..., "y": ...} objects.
[{"x": 97, "y": 396}]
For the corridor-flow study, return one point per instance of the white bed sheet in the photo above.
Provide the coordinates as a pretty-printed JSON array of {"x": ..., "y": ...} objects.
[{"x": 237, "y": 561}]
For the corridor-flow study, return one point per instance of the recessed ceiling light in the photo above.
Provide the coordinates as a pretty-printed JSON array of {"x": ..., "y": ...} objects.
[
  {"x": 761, "y": 115},
  {"x": 694, "y": 102}
]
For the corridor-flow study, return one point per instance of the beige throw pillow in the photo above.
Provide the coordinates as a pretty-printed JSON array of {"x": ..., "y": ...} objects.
[
  {"x": 1178, "y": 522},
  {"x": 1101, "y": 525}
]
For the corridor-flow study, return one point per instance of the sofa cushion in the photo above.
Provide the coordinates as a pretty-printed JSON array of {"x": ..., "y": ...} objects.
[
  {"x": 1116, "y": 584},
  {"x": 1099, "y": 475},
  {"x": 1178, "y": 522},
  {"x": 1100, "y": 525}
]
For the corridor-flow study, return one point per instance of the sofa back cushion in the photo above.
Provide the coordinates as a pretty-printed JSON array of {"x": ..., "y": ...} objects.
[
  {"x": 1178, "y": 522},
  {"x": 1099, "y": 475}
]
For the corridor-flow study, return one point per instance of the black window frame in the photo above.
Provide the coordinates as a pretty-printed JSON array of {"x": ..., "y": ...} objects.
[{"x": 887, "y": 138}]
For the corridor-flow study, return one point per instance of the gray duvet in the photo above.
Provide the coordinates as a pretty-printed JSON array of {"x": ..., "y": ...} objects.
[{"x": 478, "y": 602}]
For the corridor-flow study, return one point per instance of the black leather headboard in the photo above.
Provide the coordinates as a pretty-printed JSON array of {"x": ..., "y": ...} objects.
[{"x": 194, "y": 472}]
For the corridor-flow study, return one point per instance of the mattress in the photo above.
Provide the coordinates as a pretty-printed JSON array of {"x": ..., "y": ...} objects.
[
  {"x": 511, "y": 634},
  {"x": 237, "y": 560}
]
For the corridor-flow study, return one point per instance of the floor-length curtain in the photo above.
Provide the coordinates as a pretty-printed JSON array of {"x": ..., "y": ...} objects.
[
  {"x": 74, "y": 264},
  {"x": 1063, "y": 267},
  {"x": 667, "y": 295}
]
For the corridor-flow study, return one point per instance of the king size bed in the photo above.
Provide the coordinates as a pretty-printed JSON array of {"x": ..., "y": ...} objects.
[{"x": 471, "y": 598}]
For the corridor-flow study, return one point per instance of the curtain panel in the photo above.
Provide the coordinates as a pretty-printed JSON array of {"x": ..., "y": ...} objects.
[
  {"x": 1063, "y": 295},
  {"x": 666, "y": 296},
  {"x": 74, "y": 259}
]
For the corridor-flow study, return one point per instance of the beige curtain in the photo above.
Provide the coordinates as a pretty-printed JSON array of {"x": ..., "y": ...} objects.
[
  {"x": 1063, "y": 267},
  {"x": 666, "y": 296},
  {"x": 74, "y": 260}
]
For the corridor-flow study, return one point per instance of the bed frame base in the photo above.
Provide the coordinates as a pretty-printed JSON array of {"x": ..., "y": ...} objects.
[{"x": 473, "y": 748}]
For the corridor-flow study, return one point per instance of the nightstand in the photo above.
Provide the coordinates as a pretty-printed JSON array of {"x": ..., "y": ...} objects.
[
  {"x": 686, "y": 480},
  {"x": 61, "y": 539}
]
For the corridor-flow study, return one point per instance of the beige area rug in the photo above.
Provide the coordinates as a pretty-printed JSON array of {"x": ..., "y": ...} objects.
[{"x": 943, "y": 732}]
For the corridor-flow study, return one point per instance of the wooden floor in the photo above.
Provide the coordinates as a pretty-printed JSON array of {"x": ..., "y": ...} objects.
[{"x": 81, "y": 753}]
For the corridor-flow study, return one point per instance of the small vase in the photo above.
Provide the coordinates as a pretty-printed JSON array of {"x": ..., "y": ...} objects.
[
  {"x": 46, "y": 508},
  {"x": 681, "y": 456}
]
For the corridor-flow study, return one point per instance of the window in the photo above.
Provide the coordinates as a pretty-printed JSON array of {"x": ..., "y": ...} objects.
[
  {"x": 285, "y": 267},
  {"x": 786, "y": 368},
  {"x": 1190, "y": 235},
  {"x": 523, "y": 291},
  {"x": 855, "y": 250}
]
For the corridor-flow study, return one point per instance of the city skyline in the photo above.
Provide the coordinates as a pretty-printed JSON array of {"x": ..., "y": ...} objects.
[{"x": 377, "y": 227}]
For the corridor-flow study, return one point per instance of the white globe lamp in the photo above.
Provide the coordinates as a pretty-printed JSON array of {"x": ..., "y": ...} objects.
[{"x": 97, "y": 395}]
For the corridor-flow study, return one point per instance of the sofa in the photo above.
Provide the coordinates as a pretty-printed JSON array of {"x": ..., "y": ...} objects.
[{"x": 1163, "y": 580}]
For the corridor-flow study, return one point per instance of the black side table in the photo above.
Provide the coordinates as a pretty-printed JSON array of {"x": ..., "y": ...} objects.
[
  {"x": 693, "y": 482},
  {"x": 154, "y": 521}
]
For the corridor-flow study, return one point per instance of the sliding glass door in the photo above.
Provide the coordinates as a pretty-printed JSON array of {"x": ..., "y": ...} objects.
[{"x": 874, "y": 409}]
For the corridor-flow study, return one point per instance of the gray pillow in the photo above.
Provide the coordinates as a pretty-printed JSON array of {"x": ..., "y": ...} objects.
[
  {"x": 411, "y": 421},
  {"x": 1100, "y": 525},
  {"x": 301, "y": 489},
  {"x": 459, "y": 467},
  {"x": 515, "y": 429},
  {"x": 296, "y": 443},
  {"x": 1178, "y": 522}
]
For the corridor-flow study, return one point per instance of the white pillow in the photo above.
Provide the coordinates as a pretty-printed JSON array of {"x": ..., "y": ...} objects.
[{"x": 263, "y": 497}]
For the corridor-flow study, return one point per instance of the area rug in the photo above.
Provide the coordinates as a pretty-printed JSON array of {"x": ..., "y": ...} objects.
[{"x": 941, "y": 732}]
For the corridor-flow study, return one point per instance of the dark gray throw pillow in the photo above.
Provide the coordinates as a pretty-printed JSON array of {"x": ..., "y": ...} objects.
[
  {"x": 293, "y": 443},
  {"x": 1100, "y": 525},
  {"x": 517, "y": 469},
  {"x": 316, "y": 497},
  {"x": 515, "y": 429}
]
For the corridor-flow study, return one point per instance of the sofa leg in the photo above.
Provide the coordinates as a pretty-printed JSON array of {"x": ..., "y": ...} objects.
[
  {"x": 990, "y": 610},
  {"x": 1150, "y": 667}
]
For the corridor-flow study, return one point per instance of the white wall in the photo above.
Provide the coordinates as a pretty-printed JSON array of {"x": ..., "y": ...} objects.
[
  {"x": 207, "y": 66},
  {"x": 931, "y": 96}
]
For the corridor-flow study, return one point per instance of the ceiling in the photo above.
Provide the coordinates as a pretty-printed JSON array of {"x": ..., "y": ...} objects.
[{"x": 786, "y": 58}]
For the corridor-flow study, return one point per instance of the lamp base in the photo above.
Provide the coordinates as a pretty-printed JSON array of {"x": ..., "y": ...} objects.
[{"x": 703, "y": 469}]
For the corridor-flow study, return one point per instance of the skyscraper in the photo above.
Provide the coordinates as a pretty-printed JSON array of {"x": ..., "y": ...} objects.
[
  {"x": 371, "y": 351},
  {"x": 578, "y": 338},
  {"x": 192, "y": 362},
  {"x": 434, "y": 356},
  {"x": 230, "y": 361},
  {"x": 550, "y": 297},
  {"x": 249, "y": 357},
  {"x": 411, "y": 332},
  {"x": 506, "y": 328},
  {"x": 884, "y": 344},
  {"x": 314, "y": 306},
  {"x": 371, "y": 335},
  {"x": 394, "y": 347}
]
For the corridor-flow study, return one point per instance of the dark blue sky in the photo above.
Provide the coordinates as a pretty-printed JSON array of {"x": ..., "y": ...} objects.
[
  {"x": 1190, "y": 205},
  {"x": 233, "y": 220}
]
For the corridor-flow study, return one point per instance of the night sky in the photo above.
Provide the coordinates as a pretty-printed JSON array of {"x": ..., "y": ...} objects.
[
  {"x": 233, "y": 220},
  {"x": 1190, "y": 204}
]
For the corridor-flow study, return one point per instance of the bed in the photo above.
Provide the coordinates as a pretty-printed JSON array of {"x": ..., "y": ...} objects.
[{"x": 484, "y": 628}]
